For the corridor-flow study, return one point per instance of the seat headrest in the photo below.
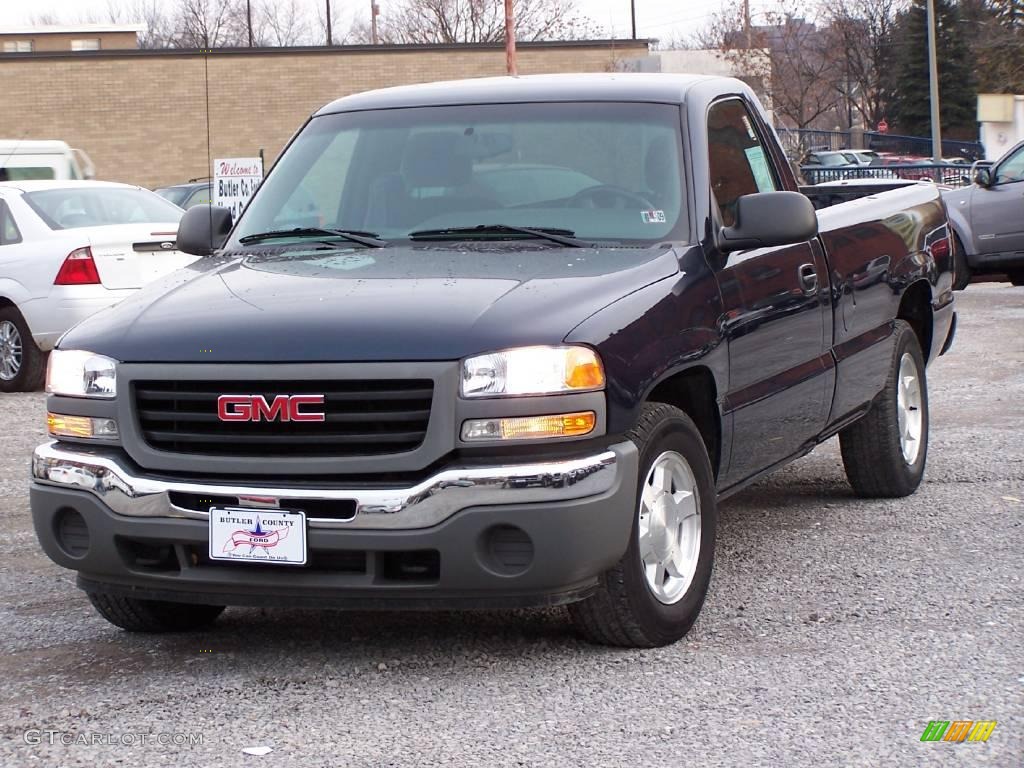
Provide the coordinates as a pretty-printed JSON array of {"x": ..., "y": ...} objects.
[
  {"x": 658, "y": 166},
  {"x": 434, "y": 160}
]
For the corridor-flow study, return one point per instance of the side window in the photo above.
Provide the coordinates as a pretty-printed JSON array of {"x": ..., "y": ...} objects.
[
  {"x": 737, "y": 160},
  {"x": 1012, "y": 168},
  {"x": 9, "y": 233}
]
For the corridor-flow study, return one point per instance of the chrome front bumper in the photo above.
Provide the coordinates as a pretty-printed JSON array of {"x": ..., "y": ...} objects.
[{"x": 105, "y": 474}]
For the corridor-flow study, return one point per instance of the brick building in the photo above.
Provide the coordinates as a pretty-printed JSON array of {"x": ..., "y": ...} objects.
[
  {"x": 80, "y": 37},
  {"x": 141, "y": 115}
]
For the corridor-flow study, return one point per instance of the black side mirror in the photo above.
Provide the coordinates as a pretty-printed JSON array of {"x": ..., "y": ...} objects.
[
  {"x": 769, "y": 218},
  {"x": 983, "y": 177},
  {"x": 203, "y": 229}
]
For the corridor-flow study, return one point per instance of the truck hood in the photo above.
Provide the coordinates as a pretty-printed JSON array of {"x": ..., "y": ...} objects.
[{"x": 419, "y": 302}]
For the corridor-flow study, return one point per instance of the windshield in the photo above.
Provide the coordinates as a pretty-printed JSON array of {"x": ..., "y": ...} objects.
[
  {"x": 603, "y": 171},
  {"x": 75, "y": 207},
  {"x": 834, "y": 160},
  {"x": 176, "y": 195}
]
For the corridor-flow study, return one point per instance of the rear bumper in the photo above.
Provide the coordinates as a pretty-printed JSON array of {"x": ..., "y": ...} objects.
[
  {"x": 65, "y": 307},
  {"x": 540, "y": 536}
]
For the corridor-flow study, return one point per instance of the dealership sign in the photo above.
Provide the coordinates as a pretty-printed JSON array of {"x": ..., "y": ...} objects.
[{"x": 234, "y": 182}]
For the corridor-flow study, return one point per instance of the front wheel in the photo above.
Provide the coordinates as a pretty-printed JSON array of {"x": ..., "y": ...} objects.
[
  {"x": 654, "y": 593},
  {"x": 22, "y": 363},
  {"x": 137, "y": 615},
  {"x": 884, "y": 452},
  {"x": 1017, "y": 278}
]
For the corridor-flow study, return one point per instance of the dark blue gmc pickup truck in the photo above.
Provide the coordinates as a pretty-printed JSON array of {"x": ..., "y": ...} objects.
[{"x": 501, "y": 342}]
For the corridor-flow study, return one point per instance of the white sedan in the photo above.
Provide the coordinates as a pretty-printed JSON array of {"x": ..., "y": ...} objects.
[{"x": 67, "y": 250}]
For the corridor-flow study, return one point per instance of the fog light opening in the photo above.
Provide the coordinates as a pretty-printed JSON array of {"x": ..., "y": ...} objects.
[{"x": 71, "y": 532}]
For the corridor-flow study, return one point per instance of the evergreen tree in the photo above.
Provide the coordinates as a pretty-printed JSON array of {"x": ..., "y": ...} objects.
[
  {"x": 957, "y": 81},
  {"x": 996, "y": 30}
]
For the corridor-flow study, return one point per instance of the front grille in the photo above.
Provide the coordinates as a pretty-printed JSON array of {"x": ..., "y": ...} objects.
[{"x": 362, "y": 418}]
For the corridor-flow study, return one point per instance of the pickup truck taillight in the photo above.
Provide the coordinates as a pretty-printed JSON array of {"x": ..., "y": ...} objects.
[{"x": 78, "y": 269}]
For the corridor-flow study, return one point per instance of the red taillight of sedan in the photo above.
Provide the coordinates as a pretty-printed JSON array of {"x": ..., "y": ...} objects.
[{"x": 78, "y": 269}]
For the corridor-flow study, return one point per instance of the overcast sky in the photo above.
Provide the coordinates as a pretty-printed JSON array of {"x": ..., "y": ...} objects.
[{"x": 655, "y": 18}]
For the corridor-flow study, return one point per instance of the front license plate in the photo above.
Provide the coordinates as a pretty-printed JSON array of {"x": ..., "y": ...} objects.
[{"x": 274, "y": 536}]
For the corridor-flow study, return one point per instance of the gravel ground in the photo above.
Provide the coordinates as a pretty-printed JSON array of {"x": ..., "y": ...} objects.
[{"x": 835, "y": 629}]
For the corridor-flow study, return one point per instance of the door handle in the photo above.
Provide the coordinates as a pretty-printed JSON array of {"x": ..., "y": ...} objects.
[{"x": 808, "y": 278}]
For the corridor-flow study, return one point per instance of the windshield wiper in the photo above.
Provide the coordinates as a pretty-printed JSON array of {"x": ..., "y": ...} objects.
[
  {"x": 560, "y": 236},
  {"x": 369, "y": 239}
]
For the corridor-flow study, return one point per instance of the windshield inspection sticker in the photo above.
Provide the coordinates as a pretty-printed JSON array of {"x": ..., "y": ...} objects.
[{"x": 652, "y": 217}]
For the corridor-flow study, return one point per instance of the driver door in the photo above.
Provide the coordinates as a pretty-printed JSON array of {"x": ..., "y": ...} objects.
[{"x": 777, "y": 318}]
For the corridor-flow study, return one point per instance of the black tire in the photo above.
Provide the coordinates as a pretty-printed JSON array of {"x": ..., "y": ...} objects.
[
  {"x": 31, "y": 367},
  {"x": 137, "y": 615},
  {"x": 1017, "y": 278},
  {"x": 961, "y": 271},
  {"x": 624, "y": 610},
  {"x": 872, "y": 452}
]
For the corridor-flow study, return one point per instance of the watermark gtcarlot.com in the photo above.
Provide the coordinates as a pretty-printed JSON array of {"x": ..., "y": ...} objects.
[{"x": 37, "y": 736}]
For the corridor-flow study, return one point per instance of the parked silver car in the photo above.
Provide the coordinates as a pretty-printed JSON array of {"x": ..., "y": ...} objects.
[{"x": 988, "y": 220}]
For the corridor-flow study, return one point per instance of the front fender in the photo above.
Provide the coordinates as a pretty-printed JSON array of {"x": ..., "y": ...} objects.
[
  {"x": 958, "y": 209},
  {"x": 655, "y": 332}
]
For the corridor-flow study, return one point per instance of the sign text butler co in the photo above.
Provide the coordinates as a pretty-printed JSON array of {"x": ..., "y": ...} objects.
[{"x": 234, "y": 182}]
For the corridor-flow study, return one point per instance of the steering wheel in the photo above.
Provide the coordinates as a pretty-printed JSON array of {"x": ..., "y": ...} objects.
[{"x": 608, "y": 196}]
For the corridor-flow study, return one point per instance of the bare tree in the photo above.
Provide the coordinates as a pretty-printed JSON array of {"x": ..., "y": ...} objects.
[
  {"x": 210, "y": 24},
  {"x": 283, "y": 23},
  {"x": 860, "y": 32},
  {"x": 480, "y": 21},
  {"x": 804, "y": 69}
]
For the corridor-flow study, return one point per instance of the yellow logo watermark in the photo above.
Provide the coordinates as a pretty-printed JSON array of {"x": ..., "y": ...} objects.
[{"x": 958, "y": 730}]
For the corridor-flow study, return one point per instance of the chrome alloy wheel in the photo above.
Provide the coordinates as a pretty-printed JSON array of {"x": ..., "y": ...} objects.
[
  {"x": 10, "y": 350},
  {"x": 669, "y": 527},
  {"x": 908, "y": 408}
]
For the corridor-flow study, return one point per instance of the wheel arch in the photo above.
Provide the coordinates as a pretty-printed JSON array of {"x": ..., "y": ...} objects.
[
  {"x": 694, "y": 391},
  {"x": 916, "y": 309}
]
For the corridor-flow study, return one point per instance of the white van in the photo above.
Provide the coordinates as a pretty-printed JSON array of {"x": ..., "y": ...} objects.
[{"x": 30, "y": 160}]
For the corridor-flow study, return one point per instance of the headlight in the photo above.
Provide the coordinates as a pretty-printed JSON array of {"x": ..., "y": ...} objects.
[
  {"x": 81, "y": 374},
  {"x": 532, "y": 371}
]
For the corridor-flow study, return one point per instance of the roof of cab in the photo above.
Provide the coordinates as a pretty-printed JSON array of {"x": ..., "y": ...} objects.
[{"x": 621, "y": 86}]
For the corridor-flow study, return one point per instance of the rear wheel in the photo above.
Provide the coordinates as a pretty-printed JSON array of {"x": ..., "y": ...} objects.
[
  {"x": 654, "y": 594},
  {"x": 884, "y": 452},
  {"x": 22, "y": 363},
  {"x": 137, "y": 615},
  {"x": 1017, "y": 278}
]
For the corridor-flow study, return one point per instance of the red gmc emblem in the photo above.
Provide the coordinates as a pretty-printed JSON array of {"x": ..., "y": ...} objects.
[{"x": 256, "y": 408}]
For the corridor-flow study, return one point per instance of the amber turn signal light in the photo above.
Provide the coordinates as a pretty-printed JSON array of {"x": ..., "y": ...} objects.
[{"x": 530, "y": 427}]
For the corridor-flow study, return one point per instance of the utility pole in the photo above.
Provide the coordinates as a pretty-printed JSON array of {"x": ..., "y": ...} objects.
[
  {"x": 330, "y": 41},
  {"x": 746, "y": 22},
  {"x": 374, "y": 10},
  {"x": 510, "y": 39},
  {"x": 933, "y": 86},
  {"x": 248, "y": 19},
  {"x": 632, "y": 16}
]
